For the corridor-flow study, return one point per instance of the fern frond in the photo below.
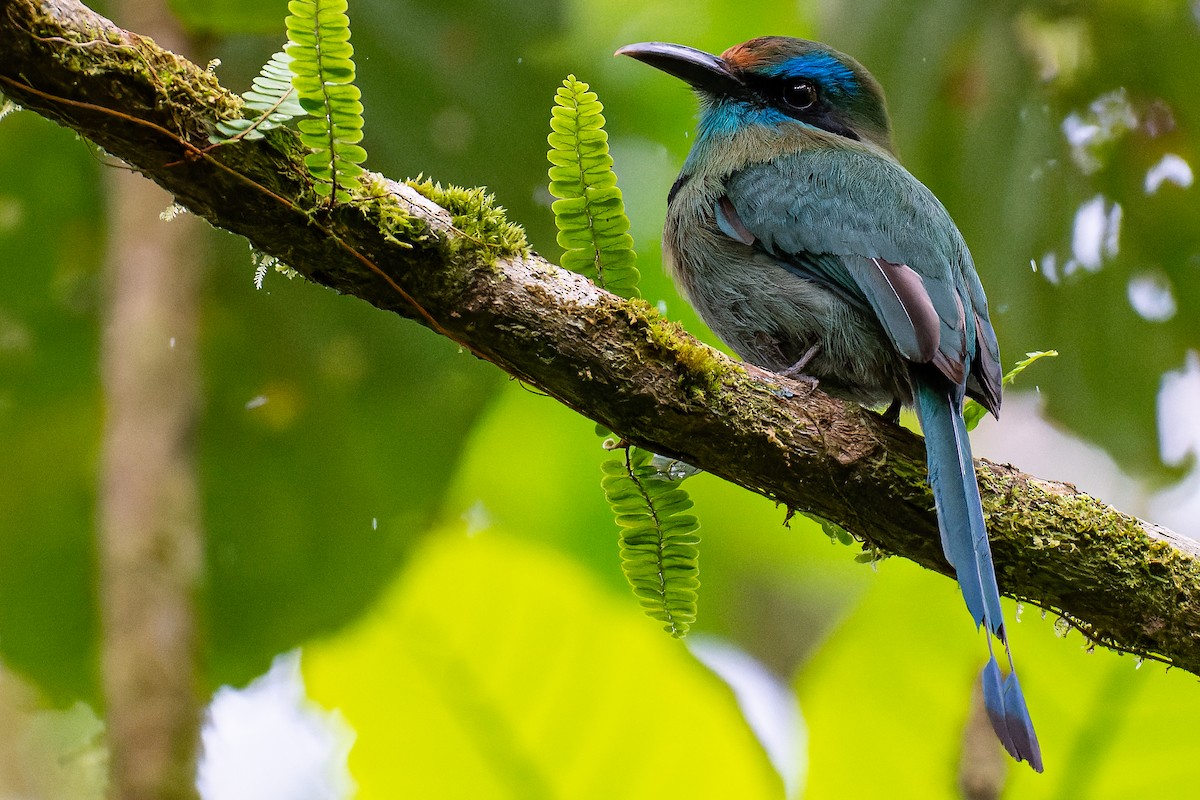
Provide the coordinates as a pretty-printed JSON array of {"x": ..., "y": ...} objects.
[
  {"x": 973, "y": 412},
  {"x": 264, "y": 262},
  {"x": 323, "y": 74},
  {"x": 272, "y": 95},
  {"x": 589, "y": 212},
  {"x": 658, "y": 542}
]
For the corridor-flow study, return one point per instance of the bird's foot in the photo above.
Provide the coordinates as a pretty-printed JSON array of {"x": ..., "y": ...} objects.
[
  {"x": 796, "y": 371},
  {"x": 811, "y": 380}
]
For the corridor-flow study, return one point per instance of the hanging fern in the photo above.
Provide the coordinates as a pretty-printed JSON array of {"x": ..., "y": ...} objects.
[
  {"x": 323, "y": 74},
  {"x": 272, "y": 95},
  {"x": 589, "y": 212},
  {"x": 658, "y": 542}
]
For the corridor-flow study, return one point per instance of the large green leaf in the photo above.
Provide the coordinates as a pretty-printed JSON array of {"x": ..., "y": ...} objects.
[{"x": 495, "y": 668}]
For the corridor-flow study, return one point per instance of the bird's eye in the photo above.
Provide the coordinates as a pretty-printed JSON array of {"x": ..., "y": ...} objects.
[{"x": 801, "y": 95}]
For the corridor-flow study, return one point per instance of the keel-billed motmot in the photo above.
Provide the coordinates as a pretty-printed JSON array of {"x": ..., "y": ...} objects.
[{"x": 807, "y": 248}]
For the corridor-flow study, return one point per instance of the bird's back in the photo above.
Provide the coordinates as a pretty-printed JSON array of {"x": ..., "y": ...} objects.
[{"x": 772, "y": 300}]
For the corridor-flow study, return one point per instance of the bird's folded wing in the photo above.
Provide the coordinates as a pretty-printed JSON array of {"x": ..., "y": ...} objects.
[{"x": 858, "y": 221}]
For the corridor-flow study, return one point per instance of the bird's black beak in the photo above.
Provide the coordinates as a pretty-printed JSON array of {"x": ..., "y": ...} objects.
[{"x": 702, "y": 70}]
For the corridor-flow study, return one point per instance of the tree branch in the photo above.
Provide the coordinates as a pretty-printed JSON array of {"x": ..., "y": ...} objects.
[{"x": 456, "y": 269}]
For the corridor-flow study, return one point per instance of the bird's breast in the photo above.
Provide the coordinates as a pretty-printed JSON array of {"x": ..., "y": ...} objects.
[{"x": 770, "y": 315}]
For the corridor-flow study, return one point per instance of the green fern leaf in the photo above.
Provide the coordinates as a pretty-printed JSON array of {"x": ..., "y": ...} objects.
[
  {"x": 589, "y": 212},
  {"x": 322, "y": 72},
  {"x": 272, "y": 96},
  {"x": 973, "y": 412},
  {"x": 658, "y": 542}
]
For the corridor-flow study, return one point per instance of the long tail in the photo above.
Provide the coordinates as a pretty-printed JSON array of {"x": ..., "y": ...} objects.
[{"x": 965, "y": 543}]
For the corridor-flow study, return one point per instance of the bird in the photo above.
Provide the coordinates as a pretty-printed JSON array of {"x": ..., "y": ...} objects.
[{"x": 804, "y": 244}]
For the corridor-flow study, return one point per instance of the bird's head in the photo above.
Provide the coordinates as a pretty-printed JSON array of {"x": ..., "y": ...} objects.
[{"x": 777, "y": 81}]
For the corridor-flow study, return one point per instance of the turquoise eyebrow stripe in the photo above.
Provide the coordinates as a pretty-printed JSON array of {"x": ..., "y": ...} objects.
[{"x": 826, "y": 70}]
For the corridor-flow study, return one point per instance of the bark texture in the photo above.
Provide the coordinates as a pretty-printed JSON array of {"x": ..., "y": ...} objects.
[{"x": 454, "y": 268}]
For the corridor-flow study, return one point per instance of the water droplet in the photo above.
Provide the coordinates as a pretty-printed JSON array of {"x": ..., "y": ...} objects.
[
  {"x": 171, "y": 343},
  {"x": 672, "y": 469},
  {"x": 1019, "y": 611},
  {"x": 374, "y": 523},
  {"x": 1138, "y": 664},
  {"x": 1062, "y": 626},
  {"x": 256, "y": 402},
  {"x": 1091, "y": 648}
]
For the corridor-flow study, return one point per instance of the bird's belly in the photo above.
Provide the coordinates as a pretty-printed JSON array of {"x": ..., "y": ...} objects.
[{"x": 771, "y": 317}]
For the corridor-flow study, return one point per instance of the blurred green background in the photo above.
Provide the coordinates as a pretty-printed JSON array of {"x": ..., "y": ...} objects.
[{"x": 434, "y": 534}]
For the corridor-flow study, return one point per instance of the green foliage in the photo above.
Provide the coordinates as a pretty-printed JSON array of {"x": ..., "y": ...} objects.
[
  {"x": 973, "y": 412},
  {"x": 292, "y": 487},
  {"x": 658, "y": 542},
  {"x": 487, "y": 690},
  {"x": 314, "y": 75},
  {"x": 589, "y": 212},
  {"x": 323, "y": 75},
  {"x": 836, "y": 533},
  {"x": 272, "y": 95}
]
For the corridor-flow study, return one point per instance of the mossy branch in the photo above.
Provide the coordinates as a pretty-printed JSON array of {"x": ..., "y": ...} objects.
[{"x": 464, "y": 271}]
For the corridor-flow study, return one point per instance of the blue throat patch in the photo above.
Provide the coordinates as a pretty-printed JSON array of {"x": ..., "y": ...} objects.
[{"x": 722, "y": 118}]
